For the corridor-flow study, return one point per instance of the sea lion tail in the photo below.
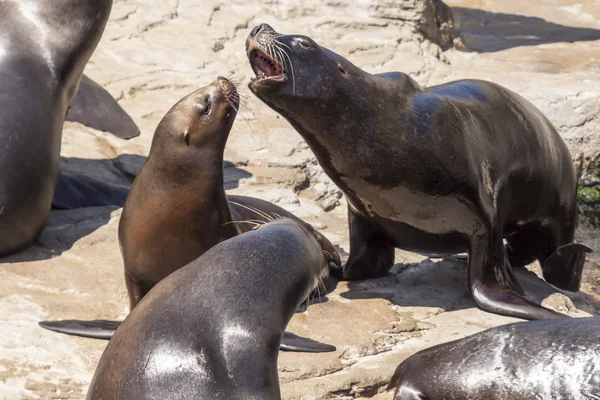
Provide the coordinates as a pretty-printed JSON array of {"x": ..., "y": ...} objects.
[
  {"x": 564, "y": 267},
  {"x": 96, "y": 329}
]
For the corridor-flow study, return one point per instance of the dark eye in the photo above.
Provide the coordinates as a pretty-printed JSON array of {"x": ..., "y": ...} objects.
[
  {"x": 342, "y": 69},
  {"x": 305, "y": 44},
  {"x": 206, "y": 109}
]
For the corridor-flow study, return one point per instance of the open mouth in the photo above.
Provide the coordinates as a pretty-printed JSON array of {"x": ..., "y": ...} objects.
[{"x": 267, "y": 70}]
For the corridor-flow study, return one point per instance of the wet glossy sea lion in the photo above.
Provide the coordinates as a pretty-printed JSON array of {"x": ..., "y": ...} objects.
[
  {"x": 212, "y": 329},
  {"x": 177, "y": 208},
  {"x": 445, "y": 169},
  {"x": 93, "y": 106},
  {"x": 557, "y": 360},
  {"x": 44, "y": 47}
]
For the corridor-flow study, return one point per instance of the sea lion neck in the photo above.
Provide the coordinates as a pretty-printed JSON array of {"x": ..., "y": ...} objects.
[{"x": 196, "y": 175}]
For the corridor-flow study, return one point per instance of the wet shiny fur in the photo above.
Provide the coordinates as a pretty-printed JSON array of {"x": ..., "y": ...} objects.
[
  {"x": 445, "y": 169},
  {"x": 557, "y": 360},
  {"x": 208, "y": 331},
  {"x": 177, "y": 208},
  {"x": 44, "y": 47}
]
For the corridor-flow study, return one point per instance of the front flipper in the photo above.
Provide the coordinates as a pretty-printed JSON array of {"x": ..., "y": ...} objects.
[
  {"x": 96, "y": 329},
  {"x": 291, "y": 342},
  {"x": 371, "y": 252},
  {"x": 490, "y": 281},
  {"x": 564, "y": 267},
  {"x": 93, "y": 106},
  {"x": 79, "y": 191}
]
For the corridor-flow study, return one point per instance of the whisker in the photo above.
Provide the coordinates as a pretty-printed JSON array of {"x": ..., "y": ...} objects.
[
  {"x": 247, "y": 103},
  {"x": 283, "y": 44},
  {"x": 279, "y": 56},
  {"x": 232, "y": 105},
  {"x": 319, "y": 287},
  {"x": 244, "y": 222},
  {"x": 256, "y": 118},
  {"x": 291, "y": 66},
  {"x": 236, "y": 80},
  {"x": 242, "y": 94},
  {"x": 247, "y": 107},
  {"x": 244, "y": 106},
  {"x": 255, "y": 210}
]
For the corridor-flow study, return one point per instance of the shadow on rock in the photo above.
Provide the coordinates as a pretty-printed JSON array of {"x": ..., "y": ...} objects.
[
  {"x": 87, "y": 193},
  {"x": 131, "y": 164},
  {"x": 63, "y": 229},
  {"x": 443, "y": 284},
  {"x": 84, "y": 182},
  {"x": 232, "y": 175},
  {"x": 490, "y": 32}
]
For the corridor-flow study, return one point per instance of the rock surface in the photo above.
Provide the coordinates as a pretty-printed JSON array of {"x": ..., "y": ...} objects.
[{"x": 154, "y": 53}]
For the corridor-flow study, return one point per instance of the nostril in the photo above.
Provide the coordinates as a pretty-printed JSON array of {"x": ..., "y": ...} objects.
[{"x": 255, "y": 30}]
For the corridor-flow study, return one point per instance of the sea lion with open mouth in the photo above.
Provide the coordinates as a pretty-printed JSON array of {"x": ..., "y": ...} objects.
[{"x": 446, "y": 169}]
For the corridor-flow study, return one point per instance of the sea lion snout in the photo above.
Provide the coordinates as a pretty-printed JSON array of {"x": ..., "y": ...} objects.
[
  {"x": 226, "y": 89},
  {"x": 261, "y": 28}
]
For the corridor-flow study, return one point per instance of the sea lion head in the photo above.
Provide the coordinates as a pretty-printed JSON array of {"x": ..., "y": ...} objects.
[
  {"x": 295, "y": 76},
  {"x": 330, "y": 257},
  {"x": 202, "y": 119}
]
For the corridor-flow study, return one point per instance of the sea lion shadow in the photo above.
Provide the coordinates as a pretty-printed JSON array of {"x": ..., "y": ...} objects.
[
  {"x": 232, "y": 175},
  {"x": 63, "y": 229},
  {"x": 443, "y": 284},
  {"x": 486, "y": 31},
  {"x": 88, "y": 192},
  {"x": 131, "y": 164}
]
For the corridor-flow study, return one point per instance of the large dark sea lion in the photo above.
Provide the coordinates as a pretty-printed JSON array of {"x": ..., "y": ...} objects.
[
  {"x": 446, "y": 169},
  {"x": 558, "y": 360},
  {"x": 44, "y": 47},
  {"x": 212, "y": 329},
  {"x": 177, "y": 208}
]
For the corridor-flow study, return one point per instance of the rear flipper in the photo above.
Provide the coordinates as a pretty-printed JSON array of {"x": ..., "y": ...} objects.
[
  {"x": 97, "y": 329},
  {"x": 102, "y": 329},
  {"x": 564, "y": 267},
  {"x": 93, "y": 106},
  {"x": 291, "y": 342},
  {"x": 493, "y": 284},
  {"x": 78, "y": 191}
]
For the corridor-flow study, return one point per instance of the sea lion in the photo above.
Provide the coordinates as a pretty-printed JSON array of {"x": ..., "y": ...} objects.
[
  {"x": 93, "y": 106},
  {"x": 177, "y": 208},
  {"x": 446, "y": 169},
  {"x": 557, "y": 359},
  {"x": 44, "y": 47},
  {"x": 207, "y": 331}
]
